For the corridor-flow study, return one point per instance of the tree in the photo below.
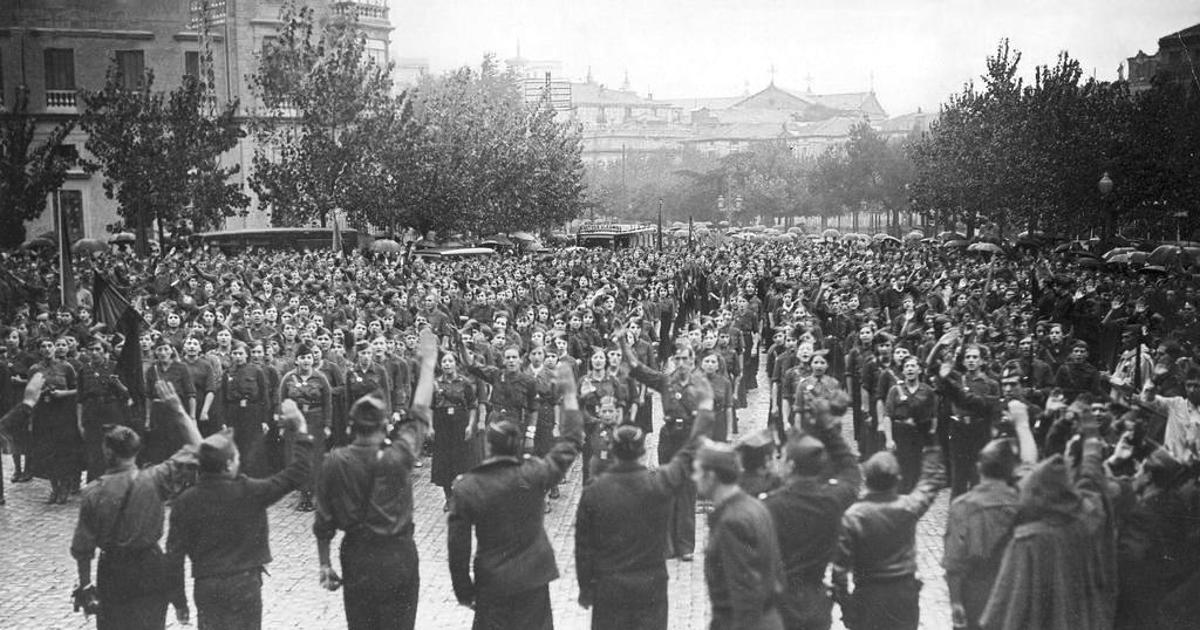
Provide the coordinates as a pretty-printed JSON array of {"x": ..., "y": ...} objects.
[
  {"x": 28, "y": 173},
  {"x": 325, "y": 113},
  {"x": 483, "y": 159},
  {"x": 159, "y": 152}
]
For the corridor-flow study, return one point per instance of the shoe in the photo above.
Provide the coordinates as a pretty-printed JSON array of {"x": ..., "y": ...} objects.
[
  {"x": 2, "y": 501},
  {"x": 547, "y": 508},
  {"x": 25, "y": 478},
  {"x": 446, "y": 506},
  {"x": 16, "y": 477},
  {"x": 687, "y": 557},
  {"x": 53, "y": 498},
  {"x": 419, "y": 464},
  {"x": 554, "y": 493},
  {"x": 63, "y": 497},
  {"x": 305, "y": 506}
]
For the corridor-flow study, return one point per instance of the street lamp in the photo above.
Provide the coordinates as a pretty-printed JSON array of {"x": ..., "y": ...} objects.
[{"x": 1106, "y": 185}]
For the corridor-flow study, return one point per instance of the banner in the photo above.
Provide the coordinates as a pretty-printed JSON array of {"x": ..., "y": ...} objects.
[
  {"x": 112, "y": 309},
  {"x": 66, "y": 272}
]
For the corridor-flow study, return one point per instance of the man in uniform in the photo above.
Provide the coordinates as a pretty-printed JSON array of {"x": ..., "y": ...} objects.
[
  {"x": 502, "y": 500},
  {"x": 742, "y": 564},
  {"x": 807, "y": 512},
  {"x": 122, "y": 515},
  {"x": 978, "y": 528},
  {"x": 975, "y": 398},
  {"x": 514, "y": 393},
  {"x": 621, "y": 524},
  {"x": 221, "y": 524},
  {"x": 365, "y": 490}
]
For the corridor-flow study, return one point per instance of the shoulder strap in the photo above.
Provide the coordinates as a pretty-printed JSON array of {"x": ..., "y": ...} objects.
[{"x": 107, "y": 541}]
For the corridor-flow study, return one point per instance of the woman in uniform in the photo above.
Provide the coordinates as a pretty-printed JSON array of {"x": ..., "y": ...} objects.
[
  {"x": 313, "y": 395},
  {"x": 454, "y": 425},
  {"x": 56, "y": 448},
  {"x": 103, "y": 400},
  {"x": 246, "y": 392}
]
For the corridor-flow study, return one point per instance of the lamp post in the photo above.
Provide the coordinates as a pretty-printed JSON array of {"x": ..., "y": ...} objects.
[{"x": 1105, "y": 185}]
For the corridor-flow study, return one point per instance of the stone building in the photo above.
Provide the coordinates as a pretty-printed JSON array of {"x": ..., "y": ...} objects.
[
  {"x": 57, "y": 47},
  {"x": 1177, "y": 59}
]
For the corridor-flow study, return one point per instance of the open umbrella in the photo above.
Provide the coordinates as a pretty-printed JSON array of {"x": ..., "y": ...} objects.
[
  {"x": 1117, "y": 251},
  {"x": 985, "y": 248},
  {"x": 949, "y": 235},
  {"x": 1090, "y": 263},
  {"x": 831, "y": 233},
  {"x": 40, "y": 242},
  {"x": 499, "y": 240},
  {"x": 1164, "y": 255},
  {"x": 88, "y": 245},
  {"x": 795, "y": 229},
  {"x": 122, "y": 237},
  {"x": 915, "y": 235},
  {"x": 522, "y": 236},
  {"x": 1153, "y": 270},
  {"x": 723, "y": 224},
  {"x": 886, "y": 239},
  {"x": 957, "y": 243},
  {"x": 386, "y": 246}
]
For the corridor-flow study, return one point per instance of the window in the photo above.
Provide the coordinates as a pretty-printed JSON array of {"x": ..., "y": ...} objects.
[
  {"x": 60, "y": 68},
  {"x": 191, "y": 63},
  {"x": 67, "y": 152},
  {"x": 131, "y": 67}
]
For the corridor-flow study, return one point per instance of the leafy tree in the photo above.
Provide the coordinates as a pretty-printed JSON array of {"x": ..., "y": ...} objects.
[
  {"x": 325, "y": 111},
  {"x": 159, "y": 152},
  {"x": 27, "y": 173}
]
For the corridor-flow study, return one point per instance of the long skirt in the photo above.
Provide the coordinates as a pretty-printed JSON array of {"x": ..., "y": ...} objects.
[
  {"x": 316, "y": 421},
  {"x": 57, "y": 448},
  {"x": 247, "y": 423},
  {"x": 453, "y": 453}
]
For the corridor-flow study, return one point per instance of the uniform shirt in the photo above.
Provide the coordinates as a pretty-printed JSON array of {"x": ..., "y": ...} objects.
[
  {"x": 365, "y": 488},
  {"x": 742, "y": 564},
  {"x": 979, "y": 526},
  {"x": 221, "y": 522},
  {"x": 807, "y": 512},
  {"x": 878, "y": 539},
  {"x": 245, "y": 383},
  {"x": 511, "y": 391},
  {"x": 141, "y": 525},
  {"x": 677, "y": 403}
]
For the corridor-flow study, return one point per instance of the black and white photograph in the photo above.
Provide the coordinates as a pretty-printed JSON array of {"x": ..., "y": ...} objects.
[{"x": 599, "y": 315}]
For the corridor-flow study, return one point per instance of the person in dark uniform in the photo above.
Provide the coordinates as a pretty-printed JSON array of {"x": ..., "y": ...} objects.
[
  {"x": 454, "y": 426},
  {"x": 246, "y": 394},
  {"x": 313, "y": 394},
  {"x": 365, "y": 490},
  {"x": 514, "y": 393},
  {"x": 221, "y": 525},
  {"x": 501, "y": 501},
  {"x": 103, "y": 400},
  {"x": 162, "y": 438},
  {"x": 807, "y": 512},
  {"x": 121, "y": 514},
  {"x": 57, "y": 446},
  {"x": 363, "y": 378},
  {"x": 620, "y": 528},
  {"x": 742, "y": 563},
  {"x": 878, "y": 542},
  {"x": 679, "y": 409},
  {"x": 205, "y": 373},
  {"x": 754, "y": 451},
  {"x": 975, "y": 397}
]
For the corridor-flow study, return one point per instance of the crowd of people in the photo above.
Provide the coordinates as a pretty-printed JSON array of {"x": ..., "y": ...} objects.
[{"x": 1060, "y": 405}]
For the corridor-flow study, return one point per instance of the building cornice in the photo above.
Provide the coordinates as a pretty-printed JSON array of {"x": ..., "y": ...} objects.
[{"x": 82, "y": 33}]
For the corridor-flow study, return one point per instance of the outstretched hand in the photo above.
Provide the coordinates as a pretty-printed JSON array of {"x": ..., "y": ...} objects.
[
  {"x": 33, "y": 389},
  {"x": 167, "y": 395}
]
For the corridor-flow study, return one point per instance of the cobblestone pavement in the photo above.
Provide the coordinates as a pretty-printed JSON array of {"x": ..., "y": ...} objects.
[{"x": 37, "y": 573}]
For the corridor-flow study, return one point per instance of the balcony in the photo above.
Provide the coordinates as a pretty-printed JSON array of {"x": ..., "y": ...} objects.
[
  {"x": 364, "y": 9},
  {"x": 61, "y": 102},
  {"x": 210, "y": 12}
]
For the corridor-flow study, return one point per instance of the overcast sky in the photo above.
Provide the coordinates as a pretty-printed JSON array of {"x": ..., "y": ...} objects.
[{"x": 918, "y": 51}]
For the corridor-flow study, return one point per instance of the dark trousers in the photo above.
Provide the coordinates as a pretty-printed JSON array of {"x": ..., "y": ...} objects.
[
  {"x": 807, "y": 607},
  {"x": 381, "y": 582},
  {"x": 148, "y": 612},
  {"x": 529, "y": 610},
  {"x": 966, "y": 440},
  {"x": 229, "y": 602},
  {"x": 681, "y": 521},
  {"x": 886, "y": 605},
  {"x": 618, "y": 615},
  {"x": 909, "y": 441}
]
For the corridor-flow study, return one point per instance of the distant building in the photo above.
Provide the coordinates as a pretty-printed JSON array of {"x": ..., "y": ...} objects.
[
  {"x": 408, "y": 71},
  {"x": 57, "y": 48},
  {"x": 1177, "y": 60}
]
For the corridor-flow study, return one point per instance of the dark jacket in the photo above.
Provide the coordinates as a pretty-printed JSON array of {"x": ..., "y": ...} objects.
[
  {"x": 221, "y": 522},
  {"x": 808, "y": 513},
  {"x": 742, "y": 565},
  {"x": 978, "y": 529},
  {"x": 878, "y": 539},
  {"x": 620, "y": 527},
  {"x": 502, "y": 501}
]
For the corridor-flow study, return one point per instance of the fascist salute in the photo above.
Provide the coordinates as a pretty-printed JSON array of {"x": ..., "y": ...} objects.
[{"x": 501, "y": 501}]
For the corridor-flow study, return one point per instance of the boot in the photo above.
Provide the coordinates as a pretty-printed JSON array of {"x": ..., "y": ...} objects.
[
  {"x": 306, "y": 504},
  {"x": 54, "y": 492}
]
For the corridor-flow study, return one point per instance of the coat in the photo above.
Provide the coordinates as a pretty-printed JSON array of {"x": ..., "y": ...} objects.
[
  {"x": 742, "y": 565},
  {"x": 502, "y": 500}
]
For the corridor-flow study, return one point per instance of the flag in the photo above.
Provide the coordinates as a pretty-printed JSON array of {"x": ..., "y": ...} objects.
[
  {"x": 337, "y": 235},
  {"x": 114, "y": 311},
  {"x": 66, "y": 272}
]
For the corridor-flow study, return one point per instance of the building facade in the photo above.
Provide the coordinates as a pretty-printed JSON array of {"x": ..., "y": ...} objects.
[
  {"x": 57, "y": 47},
  {"x": 1177, "y": 59}
]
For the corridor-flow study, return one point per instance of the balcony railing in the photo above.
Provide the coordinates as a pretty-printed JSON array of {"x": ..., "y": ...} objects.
[
  {"x": 211, "y": 12},
  {"x": 373, "y": 9},
  {"x": 60, "y": 101}
]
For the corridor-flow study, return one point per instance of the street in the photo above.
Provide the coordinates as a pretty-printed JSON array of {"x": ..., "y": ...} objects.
[{"x": 37, "y": 573}]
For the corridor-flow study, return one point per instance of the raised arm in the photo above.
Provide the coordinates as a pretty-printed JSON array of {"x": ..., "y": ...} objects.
[{"x": 419, "y": 423}]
